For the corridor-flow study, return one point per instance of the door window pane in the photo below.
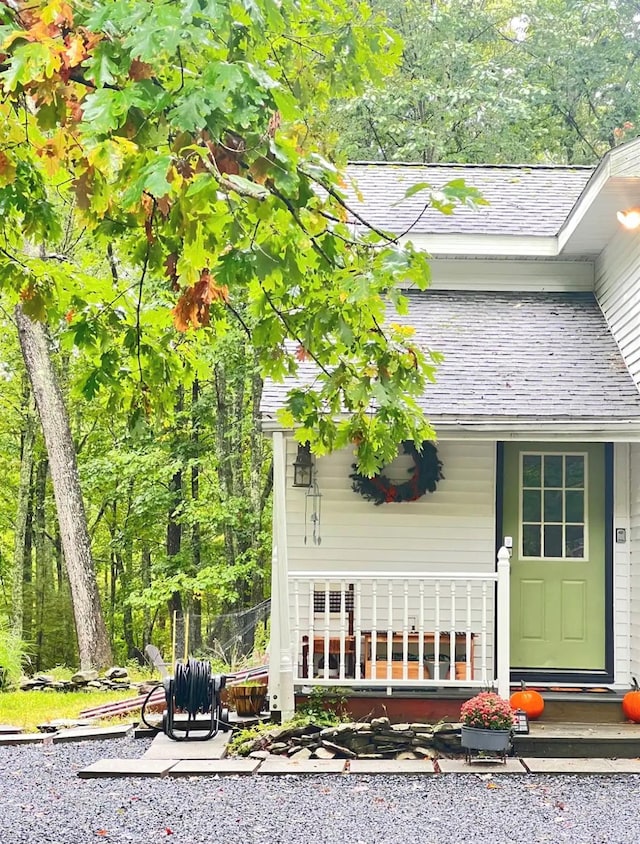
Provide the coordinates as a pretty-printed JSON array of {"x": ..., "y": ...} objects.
[
  {"x": 553, "y": 470},
  {"x": 553, "y": 506},
  {"x": 574, "y": 544},
  {"x": 574, "y": 506},
  {"x": 574, "y": 471},
  {"x": 531, "y": 470},
  {"x": 531, "y": 540},
  {"x": 531, "y": 509},
  {"x": 553, "y": 541}
]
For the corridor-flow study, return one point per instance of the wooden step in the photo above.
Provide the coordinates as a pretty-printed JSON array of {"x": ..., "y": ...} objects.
[{"x": 563, "y": 740}]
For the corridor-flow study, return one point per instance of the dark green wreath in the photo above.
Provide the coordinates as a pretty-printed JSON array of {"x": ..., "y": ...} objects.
[{"x": 426, "y": 472}]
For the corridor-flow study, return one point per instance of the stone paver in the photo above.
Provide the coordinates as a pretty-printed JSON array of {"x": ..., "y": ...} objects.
[
  {"x": 391, "y": 766},
  {"x": 282, "y": 766},
  {"x": 27, "y": 738},
  {"x": 9, "y": 729},
  {"x": 92, "y": 733},
  {"x": 162, "y": 747},
  {"x": 626, "y": 766},
  {"x": 127, "y": 768},
  {"x": 581, "y": 766},
  {"x": 221, "y": 767},
  {"x": 460, "y": 766}
]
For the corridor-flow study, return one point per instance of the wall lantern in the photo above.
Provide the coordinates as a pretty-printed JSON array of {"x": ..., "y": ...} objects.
[
  {"x": 303, "y": 467},
  {"x": 630, "y": 218}
]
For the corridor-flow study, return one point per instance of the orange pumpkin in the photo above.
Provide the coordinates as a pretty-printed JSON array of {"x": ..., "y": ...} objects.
[
  {"x": 529, "y": 701},
  {"x": 631, "y": 703}
]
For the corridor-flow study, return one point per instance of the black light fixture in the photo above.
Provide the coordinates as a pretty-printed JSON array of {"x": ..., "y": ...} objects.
[{"x": 303, "y": 466}]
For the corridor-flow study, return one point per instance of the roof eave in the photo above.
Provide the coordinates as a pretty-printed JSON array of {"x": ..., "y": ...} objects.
[{"x": 531, "y": 428}]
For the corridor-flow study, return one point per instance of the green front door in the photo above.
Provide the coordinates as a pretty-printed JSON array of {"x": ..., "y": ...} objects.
[{"x": 554, "y": 510}]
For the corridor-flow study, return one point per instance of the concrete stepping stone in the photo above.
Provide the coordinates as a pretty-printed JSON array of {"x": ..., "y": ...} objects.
[
  {"x": 9, "y": 729},
  {"x": 127, "y": 768},
  {"x": 280, "y": 765},
  {"x": 25, "y": 738},
  {"x": 391, "y": 766},
  {"x": 582, "y": 766},
  {"x": 212, "y": 767},
  {"x": 162, "y": 747},
  {"x": 460, "y": 766},
  {"x": 92, "y": 733}
]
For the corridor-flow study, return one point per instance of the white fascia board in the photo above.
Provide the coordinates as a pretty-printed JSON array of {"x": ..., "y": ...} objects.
[
  {"x": 585, "y": 201},
  {"x": 517, "y": 246},
  {"x": 597, "y": 430}
]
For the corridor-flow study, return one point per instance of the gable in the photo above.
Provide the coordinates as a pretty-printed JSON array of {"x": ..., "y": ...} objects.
[{"x": 523, "y": 200}]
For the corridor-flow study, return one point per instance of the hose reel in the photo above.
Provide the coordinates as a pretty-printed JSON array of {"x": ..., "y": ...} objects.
[{"x": 195, "y": 691}]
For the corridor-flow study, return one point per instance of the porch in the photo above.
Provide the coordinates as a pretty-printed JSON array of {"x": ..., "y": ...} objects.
[{"x": 402, "y": 632}]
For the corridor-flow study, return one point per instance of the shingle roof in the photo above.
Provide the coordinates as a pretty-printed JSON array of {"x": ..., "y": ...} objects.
[
  {"x": 512, "y": 356},
  {"x": 524, "y": 200}
]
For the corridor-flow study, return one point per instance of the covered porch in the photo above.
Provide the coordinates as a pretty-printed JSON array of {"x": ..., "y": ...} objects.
[{"x": 382, "y": 629}]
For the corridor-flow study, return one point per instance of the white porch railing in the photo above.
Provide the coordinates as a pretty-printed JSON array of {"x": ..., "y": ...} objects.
[{"x": 369, "y": 629}]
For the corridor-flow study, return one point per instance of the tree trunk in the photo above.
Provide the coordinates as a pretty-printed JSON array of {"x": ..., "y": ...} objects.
[
  {"x": 174, "y": 526},
  {"x": 42, "y": 561},
  {"x": 93, "y": 641},
  {"x": 195, "y": 605},
  {"x": 145, "y": 576},
  {"x": 22, "y": 515}
]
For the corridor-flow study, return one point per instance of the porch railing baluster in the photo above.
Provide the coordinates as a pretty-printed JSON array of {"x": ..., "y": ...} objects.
[
  {"x": 434, "y": 616},
  {"x": 389, "y": 629}
]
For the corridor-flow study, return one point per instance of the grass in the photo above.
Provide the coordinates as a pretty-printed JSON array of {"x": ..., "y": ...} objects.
[{"x": 28, "y": 709}]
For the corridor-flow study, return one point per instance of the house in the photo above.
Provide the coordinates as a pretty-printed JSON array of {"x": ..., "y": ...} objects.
[{"x": 524, "y": 563}]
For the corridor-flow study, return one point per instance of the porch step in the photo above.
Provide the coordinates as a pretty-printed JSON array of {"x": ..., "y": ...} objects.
[
  {"x": 579, "y": 740},
  {"x": 583, "y": 707}
]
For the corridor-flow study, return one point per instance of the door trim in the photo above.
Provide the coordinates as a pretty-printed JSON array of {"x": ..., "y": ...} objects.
[{"x": 559, "y": 675}]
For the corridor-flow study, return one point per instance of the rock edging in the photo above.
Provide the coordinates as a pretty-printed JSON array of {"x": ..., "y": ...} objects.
[{"x": 378, "y": 739}]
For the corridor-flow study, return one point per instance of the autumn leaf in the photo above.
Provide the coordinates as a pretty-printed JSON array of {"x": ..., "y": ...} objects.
[
  {"x": 75, "y": 53},
  {"x": 193, "y": 307},
  {"x": 140, "y": 70},
  {"x": 302, "y": 354},
  {"x": 7, "y": 169}
]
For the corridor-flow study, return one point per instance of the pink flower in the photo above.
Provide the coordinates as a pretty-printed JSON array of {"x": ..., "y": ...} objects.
[{"x": 487, "y": 711}]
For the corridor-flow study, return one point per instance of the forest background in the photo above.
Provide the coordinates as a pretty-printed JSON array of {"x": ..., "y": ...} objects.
[{"x": 174, "y": 471}]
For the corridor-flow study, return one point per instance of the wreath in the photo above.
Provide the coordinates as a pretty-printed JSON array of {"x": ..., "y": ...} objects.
[{"x": 425, "y": 474}]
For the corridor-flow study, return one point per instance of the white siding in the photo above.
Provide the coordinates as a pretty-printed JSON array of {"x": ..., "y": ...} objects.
[
  {"x": 618, "y": 291},
  {"x": 506, "y": 275},
  {"x": 621, "y": 565},
  {"x": 450, "y": 530},
  {"x": 635, "y": 562}
]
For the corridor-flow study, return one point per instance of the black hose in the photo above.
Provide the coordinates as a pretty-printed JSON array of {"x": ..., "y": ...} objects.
[
  {"x": 192, "y": 687},
  {"x": 144, "y": 708}
]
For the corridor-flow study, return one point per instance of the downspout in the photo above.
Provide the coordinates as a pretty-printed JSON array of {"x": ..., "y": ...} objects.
[{"x": 281, "y": 697}]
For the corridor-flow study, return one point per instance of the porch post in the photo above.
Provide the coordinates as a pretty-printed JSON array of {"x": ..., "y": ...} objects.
[
  {"x": 281, "y": 697},
  {"x": 503, "y": 624}
]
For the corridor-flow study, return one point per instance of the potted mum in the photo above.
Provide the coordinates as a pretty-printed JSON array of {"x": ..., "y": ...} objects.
[{"x": 487, "y": 721}]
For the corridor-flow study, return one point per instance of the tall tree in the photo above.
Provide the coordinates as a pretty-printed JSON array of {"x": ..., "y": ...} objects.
[
  {"x": 21, "y": 560},
  {"x": 93, "y": 641},
  {"x": 486, "y": 82},
  {"x": 187, "y": 134}
]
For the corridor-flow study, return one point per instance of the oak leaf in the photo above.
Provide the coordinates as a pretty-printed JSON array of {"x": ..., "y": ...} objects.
[
  {"x": 7, "y": 169},
  {"x": 140, "y": 70},
  {"x": 75, "y": 53}
]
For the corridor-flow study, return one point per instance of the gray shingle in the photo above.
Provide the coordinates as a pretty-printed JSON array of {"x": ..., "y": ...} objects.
[
  {"x": 524, "y": 200},
  {"x": 513, "y": 355}
]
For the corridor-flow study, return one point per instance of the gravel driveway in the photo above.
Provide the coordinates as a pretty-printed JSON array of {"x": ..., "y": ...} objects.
[{"x": 42, "y": 801}]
